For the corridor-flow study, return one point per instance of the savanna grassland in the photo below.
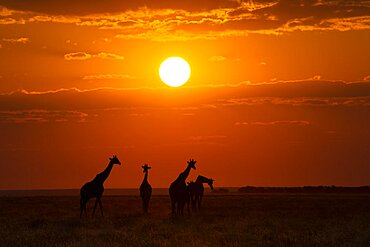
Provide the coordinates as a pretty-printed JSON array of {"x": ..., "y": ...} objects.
[{"x": 227, "y": 220}]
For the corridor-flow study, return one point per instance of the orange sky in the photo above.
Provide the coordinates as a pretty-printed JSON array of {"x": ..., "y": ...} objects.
[{"x": 279, "y": 93}]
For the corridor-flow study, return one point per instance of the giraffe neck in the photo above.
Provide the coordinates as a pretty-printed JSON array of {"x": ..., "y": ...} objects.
[
  {"x": 145, "y": 177},
  {"x": 106, "y": 172},
  {"x": 184, "y": 175},
  {"x": 202, "y": 180}
]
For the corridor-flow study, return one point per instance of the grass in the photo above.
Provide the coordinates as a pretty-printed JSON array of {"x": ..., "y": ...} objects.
[{"x": 226, "y": 220}]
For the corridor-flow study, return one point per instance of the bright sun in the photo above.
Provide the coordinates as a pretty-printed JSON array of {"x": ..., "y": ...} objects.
[{"x": 174, "y": 71}]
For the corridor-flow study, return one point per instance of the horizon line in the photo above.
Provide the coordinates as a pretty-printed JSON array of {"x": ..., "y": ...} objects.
[{"x": 135, "y": 188}]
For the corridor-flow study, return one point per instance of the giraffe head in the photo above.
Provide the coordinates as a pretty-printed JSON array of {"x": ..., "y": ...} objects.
[
  {"x": 145, "y": 167},
  {"x": 210, "y": 183},
  {"x": 191, "y": 164},
  {"x": 115, "y": 160}
]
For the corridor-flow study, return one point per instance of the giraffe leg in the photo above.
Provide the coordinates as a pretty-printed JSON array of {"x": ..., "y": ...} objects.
[
  {"x": 193, "y": 203},
  {"x": 143, "y": 205},
  {"x": 173, "y": 206},
  {"x": 85, "y": 209},
  {"x": 81, "y": 207},
  {"x": 101, "y": 207},
  {"x": 182, "y": 204},
  {"x": 83, "y": 203},
  {"x": 178, "y": 211},
  {"x": 199, "y": 202},
  {"x": 96, "y": 203},
  {"x": 147, "y": 206}
]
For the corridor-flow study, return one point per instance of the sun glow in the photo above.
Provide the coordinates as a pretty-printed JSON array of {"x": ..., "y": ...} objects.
[{"x": 174, "y": 71}]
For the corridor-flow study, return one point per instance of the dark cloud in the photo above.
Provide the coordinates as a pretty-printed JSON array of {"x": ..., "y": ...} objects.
[
  {"x": 295, "y": 93},
  {"x": 293, "y": 9},
  {"x": 41, "y": 116},
  {"x": 85, "y": 56},
  {"x": 86, "y": 7},
  {"x": 189, "y": 20},
  {"x": 288, "y": 10}
]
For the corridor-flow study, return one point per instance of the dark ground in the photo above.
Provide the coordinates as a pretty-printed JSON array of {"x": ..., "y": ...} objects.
[{"x": 227, "y": 220}]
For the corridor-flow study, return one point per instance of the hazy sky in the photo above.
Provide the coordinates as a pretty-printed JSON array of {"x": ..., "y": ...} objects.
[{"x": 279, "y": 93}]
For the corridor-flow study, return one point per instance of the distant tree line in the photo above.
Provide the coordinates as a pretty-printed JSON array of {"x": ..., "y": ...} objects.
[{"x": 305, "y": 189}]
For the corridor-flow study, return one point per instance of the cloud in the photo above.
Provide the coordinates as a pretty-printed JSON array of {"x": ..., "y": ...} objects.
[
  {"x": 85, "y": 56},
  {"x": 107, "y": 76},
  {"x": 22, "y": 40},
  {"x": 10, "y": 21},
  {"x": 178, "y": 21},
  {"x": 77, "y": 56},
  {"x": 41, "y": 116},
  {"x": 54, "y": 19},
  {"x": 286, "y": 94},
  {"x": 269, "y": 123},
  {"x": 111, "y": 56},
  {"x": 298, "y": 101},
  {"x": 367, "y": 78},
  {"x": 114, "y": 6},
  {"x": 217, "y": 58},
  {"x": 167, "y": 36},
  {"x": 350, "y": 3},
  {"x": 330, "y": 24}
]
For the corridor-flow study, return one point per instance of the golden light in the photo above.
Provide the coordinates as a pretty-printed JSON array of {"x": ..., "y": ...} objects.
[{"x": 174, "y": 71}]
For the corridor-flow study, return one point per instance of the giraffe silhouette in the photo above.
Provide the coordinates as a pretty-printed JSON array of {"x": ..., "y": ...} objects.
[
  {"x": 95, "y": 188},
  {"x": 145, "y": 189},
  {"x": 178, "y": 191},
  {"x": 196, "y": 190}
]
